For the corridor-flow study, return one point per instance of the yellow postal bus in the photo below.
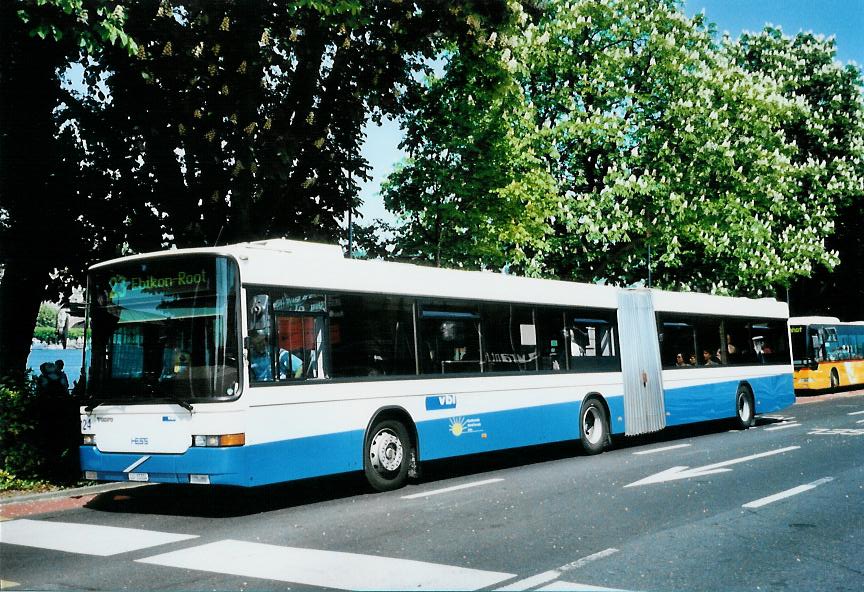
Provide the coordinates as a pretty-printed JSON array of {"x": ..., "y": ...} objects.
[{"x": 828, "y": 354}]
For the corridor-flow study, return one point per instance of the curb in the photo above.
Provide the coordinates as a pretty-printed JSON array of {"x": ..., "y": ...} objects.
[{"x": 62, "y": 493}]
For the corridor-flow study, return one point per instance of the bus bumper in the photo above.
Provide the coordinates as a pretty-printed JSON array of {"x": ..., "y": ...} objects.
[{"x": 215, "y": 466}]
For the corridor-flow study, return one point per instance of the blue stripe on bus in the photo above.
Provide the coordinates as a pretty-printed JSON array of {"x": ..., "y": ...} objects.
[
  {"x": 439, "y": 438},
  {"x": 708, "y": 402}
]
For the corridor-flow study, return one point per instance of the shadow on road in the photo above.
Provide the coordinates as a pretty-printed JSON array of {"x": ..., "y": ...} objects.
[{"x": 227, "y": 502}]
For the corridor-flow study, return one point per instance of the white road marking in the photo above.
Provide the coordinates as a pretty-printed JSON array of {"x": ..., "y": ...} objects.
[
  {"x": 663, "y": 449},
  {"x": 86, "y": 539},
  {"x": 676, "y": 473},
  {"x": 788, "y": 493},
  {"x": 6, "y": 584},
  {"x": 856, "y": 413},
  {"x": 548, "y": 576},
  {"x": 449, "y": 489},
  {"x": 574, "y": 587},
  {"x": 532, "y": 582},
  {"x": 585, "y": 560},
  {"x": 782, "y": 426},
  {"x": 860, "y": 421},
  {"x": 837, "y": 432},
  {"x": 327, "y": 569}
]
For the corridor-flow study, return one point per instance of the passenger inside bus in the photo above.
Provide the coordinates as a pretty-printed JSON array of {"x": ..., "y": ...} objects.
[
  {"x": 707, "y": 359},
  {"x": 679, "y": 360}
]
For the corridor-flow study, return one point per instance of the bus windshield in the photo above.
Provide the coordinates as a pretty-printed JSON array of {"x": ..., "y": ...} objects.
[{"x": 163, "y": 329}]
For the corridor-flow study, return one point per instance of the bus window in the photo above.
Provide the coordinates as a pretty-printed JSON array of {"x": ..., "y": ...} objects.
[
  {"x": 709, "y": 341},
  {"x": 301, "y": 335},
  {"x": 770, "y": 341},
  {"x": 371, "y": 335},
  {"x": 449, "y": 339},
  {"x": 509, "y": 338},
  {"x": 551, "y": 339},
  {"x": 591, "y": 341},
  {"x": 739, "y": 342},
  {"x": 677, "y": 343}
]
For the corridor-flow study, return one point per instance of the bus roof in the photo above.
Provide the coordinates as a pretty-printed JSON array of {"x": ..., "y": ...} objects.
[
  {"x": 323, "y": 267},
  {"x": 813, "y": 320}
]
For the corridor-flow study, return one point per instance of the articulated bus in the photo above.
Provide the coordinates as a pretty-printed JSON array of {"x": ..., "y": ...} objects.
[
  {"x": 827, "y": 354},
  {"x": 267, "y": 362}
]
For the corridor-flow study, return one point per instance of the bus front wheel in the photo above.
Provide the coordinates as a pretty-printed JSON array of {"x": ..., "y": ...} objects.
[
  {"x": 744, "y": 408},
  {"x": 593, "y": 427},
  {"x": 387, "y": 455}
]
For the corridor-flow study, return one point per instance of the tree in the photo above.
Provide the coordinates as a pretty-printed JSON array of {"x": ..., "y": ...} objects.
[
  {"x": 38, "y": 209},
  {"x": 655, "y": 138},
  {"x": 231, "y": 121},
  {"x": 470, "y": 185},
  {"x": 832, "y": 136}
]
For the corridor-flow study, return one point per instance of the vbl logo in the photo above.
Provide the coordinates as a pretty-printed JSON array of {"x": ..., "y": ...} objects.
[{"x": 440, "y": 402}]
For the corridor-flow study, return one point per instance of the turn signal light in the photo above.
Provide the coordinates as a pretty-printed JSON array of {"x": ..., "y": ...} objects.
[
  {"x": 88, "y": 440},
  {"x": 219, "y": 441}
]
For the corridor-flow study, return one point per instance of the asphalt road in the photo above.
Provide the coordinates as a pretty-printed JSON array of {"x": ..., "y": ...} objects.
[{"x": 778, "y": 507}]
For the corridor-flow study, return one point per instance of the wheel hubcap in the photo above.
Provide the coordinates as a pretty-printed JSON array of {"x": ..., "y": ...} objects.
[
  {"x": 592, "y": 427},
  {"x": 386, "y": 451},
  {"x": 744, "y": 409}
]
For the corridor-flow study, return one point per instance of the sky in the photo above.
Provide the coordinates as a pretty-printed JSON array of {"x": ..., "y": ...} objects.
[{"x": 842, "y": 18}]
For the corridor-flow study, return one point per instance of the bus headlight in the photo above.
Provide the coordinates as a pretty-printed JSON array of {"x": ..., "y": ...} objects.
[
  {"x": 215, "y": 441},
  {"x": 88, "y": 439}
]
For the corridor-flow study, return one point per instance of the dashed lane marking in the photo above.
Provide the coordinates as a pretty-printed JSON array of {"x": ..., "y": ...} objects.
[
  {"x": 548, "y": 576},
  {"x": 663, "y": 449},
  {"x": 782, "y": 426},
  {"x": 328, "y": 569},
  {"x": 85, "y": 539},
  {"x": 6, "y": 584},
  {"x": 856, "y": 413},
  {"x": 788, "y": 493},
  {"x": 449, "y": 489}
]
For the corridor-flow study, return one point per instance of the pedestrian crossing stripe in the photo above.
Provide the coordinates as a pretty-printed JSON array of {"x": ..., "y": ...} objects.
[
  {"x": 327, "y": 569},
  {"x": 85, "y": 539}
]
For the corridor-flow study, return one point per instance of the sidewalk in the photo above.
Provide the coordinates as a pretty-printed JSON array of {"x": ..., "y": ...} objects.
[{"x": 29, "y": 504}]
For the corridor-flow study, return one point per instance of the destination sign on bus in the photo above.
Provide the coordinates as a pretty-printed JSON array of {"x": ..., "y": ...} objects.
[{"x": 181, "y": 282}]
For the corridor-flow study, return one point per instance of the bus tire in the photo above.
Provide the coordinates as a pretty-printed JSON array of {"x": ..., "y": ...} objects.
[
  {"x": 387, "y": 454},
  {"x": 745, "y": 410},
  {"x": 835, "y": 379},
  {"x": 593, "y": 427}
]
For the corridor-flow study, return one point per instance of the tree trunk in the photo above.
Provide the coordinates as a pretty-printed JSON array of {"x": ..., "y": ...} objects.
[{"x": 22, "y": 289}]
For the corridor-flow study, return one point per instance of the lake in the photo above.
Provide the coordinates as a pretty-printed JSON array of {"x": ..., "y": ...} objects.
[{"x": 72, "y": 360}]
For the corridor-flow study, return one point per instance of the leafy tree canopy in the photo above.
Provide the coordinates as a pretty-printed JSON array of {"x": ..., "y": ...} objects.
[{"x": 593, "y": 131}]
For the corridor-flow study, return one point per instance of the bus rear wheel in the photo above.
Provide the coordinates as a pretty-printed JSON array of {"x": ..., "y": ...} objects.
[
  {"x": 745, "y": 415},
  {"x": 387, "y": 455},
  {"x": 593, "y": 427}
]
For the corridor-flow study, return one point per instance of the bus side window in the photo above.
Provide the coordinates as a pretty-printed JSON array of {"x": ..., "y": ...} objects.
[
  {"x": 591, "y": 341},
  {"x": 450, "y": 339},
  {"x": 551, "y": 342},
  {"x": 260, "y": 343}
]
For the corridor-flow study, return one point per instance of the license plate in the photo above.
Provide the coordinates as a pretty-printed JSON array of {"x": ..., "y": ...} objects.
[{"x": 139, "y": 477}]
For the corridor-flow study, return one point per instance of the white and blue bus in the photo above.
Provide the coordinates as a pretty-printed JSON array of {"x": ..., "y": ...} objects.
[{"x": 266, "y": 362}]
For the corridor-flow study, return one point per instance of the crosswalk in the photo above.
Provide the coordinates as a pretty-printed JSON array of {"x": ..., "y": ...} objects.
[
  {"x": 293, "y": 565},
  {"x": 87, "y": 539}
]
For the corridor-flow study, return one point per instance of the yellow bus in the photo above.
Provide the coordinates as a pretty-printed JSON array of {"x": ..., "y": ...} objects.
[{"x": 827, "y": 353}]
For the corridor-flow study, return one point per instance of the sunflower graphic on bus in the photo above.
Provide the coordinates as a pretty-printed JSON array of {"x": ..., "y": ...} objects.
[{"x": 461, "y": 425}]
